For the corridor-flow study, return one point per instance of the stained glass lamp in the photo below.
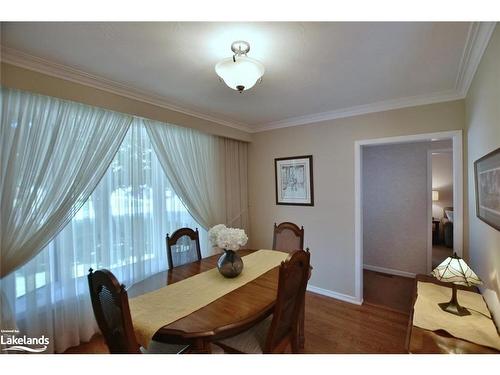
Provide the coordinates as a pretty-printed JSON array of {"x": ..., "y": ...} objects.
[{"x": 454, "y": 270}]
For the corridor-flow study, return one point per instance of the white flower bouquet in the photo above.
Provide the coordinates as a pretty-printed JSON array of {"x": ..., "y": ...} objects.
[{"x": 227, "y": 238}]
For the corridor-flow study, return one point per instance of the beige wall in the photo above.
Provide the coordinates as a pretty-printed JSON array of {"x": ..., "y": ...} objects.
[
  {"x": 329, "y": 225},
  {"x": 395, "y": 218},
  {"x": 28, "y": 80},
  {"x": 483, "y": 136}
]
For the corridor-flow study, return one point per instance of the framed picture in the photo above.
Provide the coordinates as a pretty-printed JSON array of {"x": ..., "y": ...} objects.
[
  {"x": 487, "y": 176},
  {"x": 294, "y": 180}
]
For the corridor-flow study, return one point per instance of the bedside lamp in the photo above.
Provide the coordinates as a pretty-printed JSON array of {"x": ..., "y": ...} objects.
[
  {"x": 435, "y": 195},
  {"x": 454, "y": 270}
]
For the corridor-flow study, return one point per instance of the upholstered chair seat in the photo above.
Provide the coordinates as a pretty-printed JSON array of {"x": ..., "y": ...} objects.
[{"x": 251, "y": 341}]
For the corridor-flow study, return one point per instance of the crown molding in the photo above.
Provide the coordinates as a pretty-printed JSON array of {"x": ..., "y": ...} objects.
[
  {"x": 364, "y": 109},
  {"x": 25, "y": 60},
  {"x": 478, "y": 38}
]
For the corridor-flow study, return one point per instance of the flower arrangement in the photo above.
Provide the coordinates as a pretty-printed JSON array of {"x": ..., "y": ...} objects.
[{"x": 227, "y": 238}]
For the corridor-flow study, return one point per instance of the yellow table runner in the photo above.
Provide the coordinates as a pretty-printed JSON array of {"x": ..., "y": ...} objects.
[
  {"x": 477, "y": 328},
  {"x": 153, "y": 310}
]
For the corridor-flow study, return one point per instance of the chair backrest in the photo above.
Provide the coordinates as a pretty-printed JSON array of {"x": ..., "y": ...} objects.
[
  {"x": 183, "y": 247},
  {"x": 112, "y": 312},
  {"x": 293, "y": 276},
  {"x": 288, "y": 237}
]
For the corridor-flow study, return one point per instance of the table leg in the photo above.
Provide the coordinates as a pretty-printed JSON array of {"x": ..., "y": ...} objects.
[{"x": 201, "y": 346}]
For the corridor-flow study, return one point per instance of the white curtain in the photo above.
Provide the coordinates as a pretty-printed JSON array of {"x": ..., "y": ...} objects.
[
  {"x": 121, "y": 227},
  {"x": 53, "y": 153},
  {"x": 208, "y": 172},
  {"x": 234, "y": 157}
]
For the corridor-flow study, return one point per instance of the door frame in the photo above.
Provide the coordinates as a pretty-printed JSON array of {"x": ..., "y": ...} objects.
[{"x": 456, "y": 137}]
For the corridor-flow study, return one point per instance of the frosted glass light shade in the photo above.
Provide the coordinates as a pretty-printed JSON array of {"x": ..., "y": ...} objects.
[
  {"x": 455, "y": 270},
  {"x": 241, "y": 74},
  {"x": 435, "y": 195}
]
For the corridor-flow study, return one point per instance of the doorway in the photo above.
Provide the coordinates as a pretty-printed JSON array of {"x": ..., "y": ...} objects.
[
  {"x": 440, "y": 194},
  {"x": 457, "y": 164}
]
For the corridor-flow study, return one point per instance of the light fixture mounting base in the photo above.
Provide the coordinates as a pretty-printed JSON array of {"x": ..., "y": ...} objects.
[{"x": 240, "y": 47}]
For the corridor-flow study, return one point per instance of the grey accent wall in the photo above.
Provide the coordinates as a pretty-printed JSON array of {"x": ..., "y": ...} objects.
[{"x": 395, "y": 218}]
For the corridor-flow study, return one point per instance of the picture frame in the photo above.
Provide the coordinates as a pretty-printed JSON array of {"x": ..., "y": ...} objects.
[
  {"x": 487, "y": 181},
  {"x": 294, "y": 180}
]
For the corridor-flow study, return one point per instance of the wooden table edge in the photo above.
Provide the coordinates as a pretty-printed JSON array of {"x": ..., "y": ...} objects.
[{"x": 440, "y": 333}]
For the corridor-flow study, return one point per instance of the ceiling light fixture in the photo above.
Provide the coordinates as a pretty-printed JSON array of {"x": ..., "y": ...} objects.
[{"x": 240, "y": 72}]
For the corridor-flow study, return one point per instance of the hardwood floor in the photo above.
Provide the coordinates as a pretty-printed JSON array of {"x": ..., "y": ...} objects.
[
  {"x": 439, "y": 254},
  {"x": 332, "y": 326},
  {"x": 388, "y": 291}
]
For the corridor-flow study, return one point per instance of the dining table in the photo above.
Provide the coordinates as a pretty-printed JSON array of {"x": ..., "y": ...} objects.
[{"x": 227, "y": 316}]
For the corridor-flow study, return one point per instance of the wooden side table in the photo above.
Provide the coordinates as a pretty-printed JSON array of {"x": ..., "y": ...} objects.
[{"x": 423, "y": 341}]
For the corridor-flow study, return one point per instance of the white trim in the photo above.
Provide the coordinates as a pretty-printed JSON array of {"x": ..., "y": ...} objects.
[
  {"x": 364, "y": 109},
  {"x": 37, "y": 64},
  {"x": 441, "y": 150},
  {"x": 336, "y": 295},
  {"x": 456, "y": 136},
  {"x": 429, "y": 210},
  {"x": 389, "y": 271},
  {"x": 478, "y": 38},
  {"x": 458, "y": 194},
  {"x": 440, "y": 136},
  {"x": 358, "y": 224}
]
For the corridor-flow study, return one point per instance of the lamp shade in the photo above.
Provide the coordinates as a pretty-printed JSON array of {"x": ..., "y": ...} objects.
[
  {"x": 240, "y": 73},
  {"x": 435, "y": 195},
  {"x": 455, "y": 270}
]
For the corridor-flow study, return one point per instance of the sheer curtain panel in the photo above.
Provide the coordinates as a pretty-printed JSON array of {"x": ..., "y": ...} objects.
[
  {"x": 191, "y": 160},
  {"x": 53, "y": 154},
  {"x": 235, "y": 168},
  {"x": 121, "y": 227},
  {"x": 208, "y": 172}
]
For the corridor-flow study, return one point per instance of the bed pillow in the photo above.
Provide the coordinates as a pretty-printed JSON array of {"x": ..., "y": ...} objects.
[{"x": 449, "y": 215}]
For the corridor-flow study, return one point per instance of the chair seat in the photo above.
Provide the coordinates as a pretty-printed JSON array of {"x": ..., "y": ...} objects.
[
  {"x": 156, "y": 347},
  {"x": 251, "y": 341}
]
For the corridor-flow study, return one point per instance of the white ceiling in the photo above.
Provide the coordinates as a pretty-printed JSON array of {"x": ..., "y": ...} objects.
[{"x": 311, "y": 68}]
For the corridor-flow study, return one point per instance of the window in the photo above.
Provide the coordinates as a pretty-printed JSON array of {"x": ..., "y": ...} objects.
[{"x": 121, "y": 227}]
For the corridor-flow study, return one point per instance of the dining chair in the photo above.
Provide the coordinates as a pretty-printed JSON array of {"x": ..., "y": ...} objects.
[
  {"x": 288, "y": 237},
  {"x": 112, "y": 312},
  {"x": 277, "y": 331},
  {"x": 183, "y": 247}
]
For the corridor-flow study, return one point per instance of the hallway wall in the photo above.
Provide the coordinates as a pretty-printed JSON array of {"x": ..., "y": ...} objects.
[{"x": 395, "y": 217}]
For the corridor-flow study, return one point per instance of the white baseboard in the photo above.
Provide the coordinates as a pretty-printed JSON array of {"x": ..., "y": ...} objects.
[
  {"x": 336, "y": 295},
  {"x": 389, "y": 271}
]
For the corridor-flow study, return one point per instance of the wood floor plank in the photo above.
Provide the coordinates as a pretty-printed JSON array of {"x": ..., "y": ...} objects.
[{"x": 389, "y": 291}]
